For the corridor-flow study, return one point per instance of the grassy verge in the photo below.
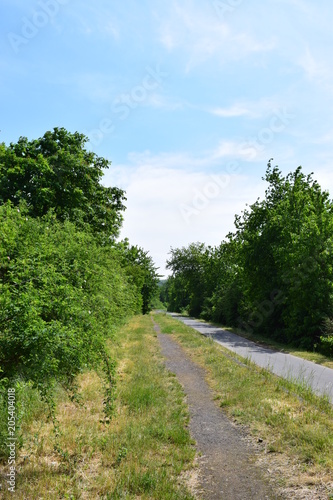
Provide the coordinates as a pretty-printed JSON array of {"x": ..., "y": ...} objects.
[
  {"x": 144, "y": 451},
  {"x": 315, "y": 357},
  {"x": 291, "y": 422}
]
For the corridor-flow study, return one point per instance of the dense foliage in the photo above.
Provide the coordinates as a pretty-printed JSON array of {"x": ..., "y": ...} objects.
[
  {"x": 65, "y": 283},
  {"x": 56, "y": 171},
  {"x": 274, "y": 274},
  {"x": 61, "y": 295}
]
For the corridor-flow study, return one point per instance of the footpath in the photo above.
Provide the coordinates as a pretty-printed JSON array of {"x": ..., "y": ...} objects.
[{"x": 229, "y": 466}]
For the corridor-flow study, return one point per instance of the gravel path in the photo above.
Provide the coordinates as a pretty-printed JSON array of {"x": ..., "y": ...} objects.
[
  {"x": 319, "y": 378},
  {"x": 226, "y": 466}
]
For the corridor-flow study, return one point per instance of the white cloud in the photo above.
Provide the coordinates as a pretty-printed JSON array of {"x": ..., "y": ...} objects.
[
  {"x": 172, "y": 201},
  {"x": 168, "y": 207},
  {"x": 234, "y": 111},
  {"x": 251, "y": 109},
  {"x": 313, "y": 67},
  {"x": 326, "y": 138},
  {"x": 203, "y": 36},
  {"x": 159, "y": 101},
  {"x": 92, "y": 20},
  {"x": 225, "y": 150}
]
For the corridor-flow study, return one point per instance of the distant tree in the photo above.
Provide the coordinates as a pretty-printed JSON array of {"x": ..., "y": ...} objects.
[
  {"x": 141, "y": 271},
  {"x": 187, "y": 288},
  {"x": 163, "y": 291}
]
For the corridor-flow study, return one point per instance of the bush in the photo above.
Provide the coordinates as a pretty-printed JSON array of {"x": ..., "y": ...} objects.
[{"x": 61, "y": 295}]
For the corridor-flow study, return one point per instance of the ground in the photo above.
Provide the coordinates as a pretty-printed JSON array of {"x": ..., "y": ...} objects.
[{"x": 230, "y": 464}]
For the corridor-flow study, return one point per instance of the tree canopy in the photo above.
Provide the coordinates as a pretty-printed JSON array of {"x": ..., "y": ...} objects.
[
  {"x": 274, "y": 273},
  {"x": 56, "y": 171},
  {"x": 65, "y": 282}
]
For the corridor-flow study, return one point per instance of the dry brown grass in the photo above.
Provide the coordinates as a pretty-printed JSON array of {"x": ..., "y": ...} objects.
[{"x": 143, "y": 452}]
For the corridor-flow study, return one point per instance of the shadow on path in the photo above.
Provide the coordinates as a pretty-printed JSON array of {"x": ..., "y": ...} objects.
[{"x": 318, "y": 378}]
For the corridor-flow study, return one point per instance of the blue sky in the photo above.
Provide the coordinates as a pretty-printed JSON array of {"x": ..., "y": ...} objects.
[{"x": 188, "y": 99}]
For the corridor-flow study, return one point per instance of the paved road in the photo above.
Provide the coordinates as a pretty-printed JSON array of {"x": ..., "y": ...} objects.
[{"x": 287, "y": 366}]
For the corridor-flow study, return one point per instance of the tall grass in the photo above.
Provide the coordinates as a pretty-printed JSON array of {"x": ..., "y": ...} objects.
[{"x": 143, "y": 451}]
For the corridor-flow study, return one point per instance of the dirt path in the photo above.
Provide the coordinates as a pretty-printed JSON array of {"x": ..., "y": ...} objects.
[{"x": 226, "y": 466}]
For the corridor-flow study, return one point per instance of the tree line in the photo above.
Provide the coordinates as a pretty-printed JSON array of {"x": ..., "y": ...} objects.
[
  {"x": 273, "y": 275},
  {"x": 66, "y": 282}
]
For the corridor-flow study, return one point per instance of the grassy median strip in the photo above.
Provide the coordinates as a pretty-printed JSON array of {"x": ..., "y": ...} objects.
[
  {"x": 314, "y": 356},
  {"x": 144, "y": 451},
  {"x": 287, "y": 418}
]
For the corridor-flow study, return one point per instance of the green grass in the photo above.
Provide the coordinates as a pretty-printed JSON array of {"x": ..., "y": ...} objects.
[
  {"x": 288, "y": 417},
  {"x": 315, "y": 357},
  {"x": 144, "y": 451}
]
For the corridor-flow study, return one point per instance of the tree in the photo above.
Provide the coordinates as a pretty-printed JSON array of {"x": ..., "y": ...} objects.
[
  {"x": 56, "y": 171},
  {"x": 286, "y": 245},
  {"x": 62, "y": 294},
  {"x": 140, "y": 269},
  {"x": 187, "y": 288},
  {"x": 226, "y": 295},
  {"x": 274, "y": 274}
]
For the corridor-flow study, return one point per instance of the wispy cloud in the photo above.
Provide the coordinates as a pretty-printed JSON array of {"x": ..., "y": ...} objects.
[
  {"x": 250, "y": 109},
  {"x": 164, "y": 102},
  {"x": 91, "y": 20},
  {"x": 233, "y": 111},
  {"x": 225, "y": 150},
  {"x": 160, "y": 192},
  {"x": 203, "y": 36},
  {"x": 317, "y": 69}
]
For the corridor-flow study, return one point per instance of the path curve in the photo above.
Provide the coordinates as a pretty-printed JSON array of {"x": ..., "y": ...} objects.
[{"x": 319, "y": 378}]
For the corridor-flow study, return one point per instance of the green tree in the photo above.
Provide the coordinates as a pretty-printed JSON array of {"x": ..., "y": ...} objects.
[
  {"x": 141, "y": 270},
  {"x": 226, "y": 293},
  {"x": 286, "y": 245},
  {"x": 56, "y": 171},
  {"x": 187, "y": 289},
  {"x": 65, "y": 284},
  {"x": 61, "y": 296},
  {"x": 274, "y": 274}
]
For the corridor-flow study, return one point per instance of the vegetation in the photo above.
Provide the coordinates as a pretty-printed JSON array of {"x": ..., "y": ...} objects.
[
  {"x": 145, "y": 451},
  {"x": 273, "y": 275},
  {"x": 291, "y": 422},
  {"x": 65, "y": 283},
  {"x": 57, "y": 172},
  {"x": 68, "y": 287}
]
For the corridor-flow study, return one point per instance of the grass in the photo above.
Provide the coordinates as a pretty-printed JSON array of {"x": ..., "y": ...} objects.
[
  {"x": 144, "y": 451},
  {"x": 288, "y": 418},
  {"x": 315, "y": 357}
]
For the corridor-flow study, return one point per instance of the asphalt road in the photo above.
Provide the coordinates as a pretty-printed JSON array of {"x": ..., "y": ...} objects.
[{"x": 319, "y": 378}]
